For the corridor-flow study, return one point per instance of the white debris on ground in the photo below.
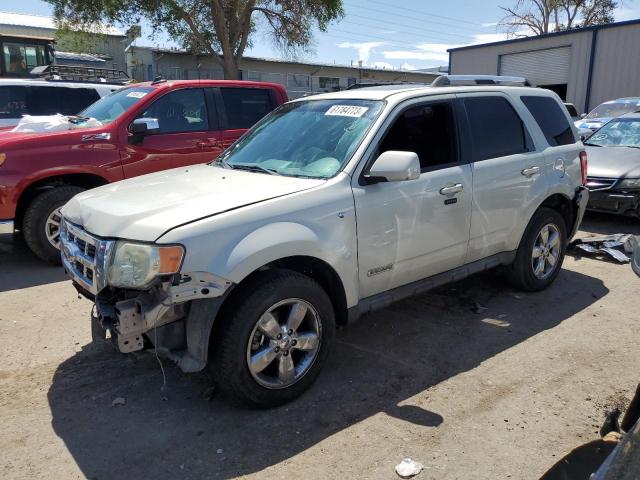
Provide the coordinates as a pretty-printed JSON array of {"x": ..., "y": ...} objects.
[
  {"x": 118, "y": 401},
  {"x": 408, "y": 468}
]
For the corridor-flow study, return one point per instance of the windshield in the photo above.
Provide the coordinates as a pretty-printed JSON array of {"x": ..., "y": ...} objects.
[
  {"x": 109, "y": 108},
  {"x": 614, "y": 109},
  {"x": 313, "y": 138},
  {"x": 618, "y": 133}
]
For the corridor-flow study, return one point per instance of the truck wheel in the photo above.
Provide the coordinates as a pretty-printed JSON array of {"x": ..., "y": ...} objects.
[
  {"x": 41, "y": 223},
  {"x": 541, "y": 252},
  {"x": 274, "y": 339}
]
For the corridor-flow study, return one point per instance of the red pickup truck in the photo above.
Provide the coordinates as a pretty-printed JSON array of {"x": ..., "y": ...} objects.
[{"x": 143, "y": 128}]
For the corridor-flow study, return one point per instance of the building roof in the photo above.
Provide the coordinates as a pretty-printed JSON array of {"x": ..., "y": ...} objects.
[
  {"x": 41, "y": 21},
  {"x": 547, "y": 35},
  {"x": 178, "y": 51}
]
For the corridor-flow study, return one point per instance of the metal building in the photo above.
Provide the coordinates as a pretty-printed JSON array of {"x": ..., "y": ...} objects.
[{"x": 584, "y": 66}]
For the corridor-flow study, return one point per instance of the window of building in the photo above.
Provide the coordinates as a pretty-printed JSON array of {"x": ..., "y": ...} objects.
[
  {"x": 329, "y": 84},
  {"x": 427, "y": 130},
  {"x": 245, "y": 106},
  {"x": 496, "y": 128},
  {"x": 21, "y": 58},
  {"x": 180, "y": 111},
  {"x": 551, "y": 120},
  {"x": 298, "y": 81}
]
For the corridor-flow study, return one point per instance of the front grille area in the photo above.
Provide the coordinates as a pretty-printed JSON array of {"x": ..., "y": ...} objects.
[
  {"x": 595, "y": 183},
  {"x": 83, "y": 256}
]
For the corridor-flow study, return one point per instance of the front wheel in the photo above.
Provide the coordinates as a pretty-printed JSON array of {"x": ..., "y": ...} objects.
[
  {"x": 274, "y": 339},
  {"x": 41, "y": 223},
  {"x": 541, "y": 252}
]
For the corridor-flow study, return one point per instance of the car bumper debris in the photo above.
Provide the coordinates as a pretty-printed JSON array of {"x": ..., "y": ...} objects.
[{"x": 619, "y": 247}]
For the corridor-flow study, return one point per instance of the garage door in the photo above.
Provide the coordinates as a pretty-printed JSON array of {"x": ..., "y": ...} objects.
[{"x": 541, "y": 67}]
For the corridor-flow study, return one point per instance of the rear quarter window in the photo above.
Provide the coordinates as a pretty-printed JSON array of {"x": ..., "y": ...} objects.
[
  {"x": 551, "y": 119},
  {"x": 245, "y": 106},
  {"x": 496, "y": 129}
]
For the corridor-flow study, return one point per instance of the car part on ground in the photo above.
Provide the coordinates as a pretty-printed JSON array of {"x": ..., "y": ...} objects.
[{"x": 619, "y": 247}]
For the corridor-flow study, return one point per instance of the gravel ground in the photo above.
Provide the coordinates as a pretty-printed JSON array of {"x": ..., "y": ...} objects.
[{"x": 503, "y": 393}]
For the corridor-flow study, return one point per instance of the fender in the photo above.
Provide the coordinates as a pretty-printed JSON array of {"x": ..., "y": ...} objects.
[{"x": 265, "y": 245}]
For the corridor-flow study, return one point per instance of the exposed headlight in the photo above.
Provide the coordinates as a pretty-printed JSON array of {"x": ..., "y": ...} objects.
[
  {"x": 629, "y": 184},
  {"x": 135, "y": 265}
]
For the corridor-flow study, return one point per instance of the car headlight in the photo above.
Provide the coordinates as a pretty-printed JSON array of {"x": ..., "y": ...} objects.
[
  {"x": 135, "y": 265},
  {"x": 630, "y": 184}
]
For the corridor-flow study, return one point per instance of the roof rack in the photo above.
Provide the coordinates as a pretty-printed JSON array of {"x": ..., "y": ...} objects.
[
  {"x": 81, "y": 74},
  {"x": 356, "y": 86},
  {"x": 458, "y": 80}
]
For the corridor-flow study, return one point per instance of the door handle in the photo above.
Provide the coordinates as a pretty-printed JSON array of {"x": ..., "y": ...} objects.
[
  {"x": 209, "y": 145},
  {"x": 528, "y": 172},
  {"x": 451, "y": 190}
]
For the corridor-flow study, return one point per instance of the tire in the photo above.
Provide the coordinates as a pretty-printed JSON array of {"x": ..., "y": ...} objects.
[
  {"x": 34, "y": 224},
  {"x": 522, "y": 272},
  {"x": 237, "y": 339}
]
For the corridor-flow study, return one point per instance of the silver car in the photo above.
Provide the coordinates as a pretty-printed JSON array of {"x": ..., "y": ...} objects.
[{"x": 614, "y": 166}]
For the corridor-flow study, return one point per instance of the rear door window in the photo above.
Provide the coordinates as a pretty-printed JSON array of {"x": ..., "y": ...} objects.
[
  {"x": 245, "y": 106},
  {"x": 18, "y": 100},
  {"x": 551, "y": 120},
  {"x": 496, "y": 129}
]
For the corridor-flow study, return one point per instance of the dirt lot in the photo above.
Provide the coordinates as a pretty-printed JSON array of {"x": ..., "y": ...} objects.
[{"x": 497, "y": 394}]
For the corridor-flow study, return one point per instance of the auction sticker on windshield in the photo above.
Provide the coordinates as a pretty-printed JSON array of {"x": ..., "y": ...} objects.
[
  {"x": 136, "y": 94},
  {"x": 347, "y": 111}
]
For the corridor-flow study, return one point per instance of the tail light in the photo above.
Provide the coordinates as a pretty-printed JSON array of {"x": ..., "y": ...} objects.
[{"x": 583, "y": 166}]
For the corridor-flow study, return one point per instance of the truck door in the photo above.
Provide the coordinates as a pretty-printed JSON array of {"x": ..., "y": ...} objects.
[
  {"x": 417, "y": 228},
  {"x": 188, "y": 134}
]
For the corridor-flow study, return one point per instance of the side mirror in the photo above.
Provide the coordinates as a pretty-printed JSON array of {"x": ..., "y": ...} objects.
[
  {"x": 394, "y": 166},
  {"x": 144, "y": 126},
  {"x": 583, "y": 115}
]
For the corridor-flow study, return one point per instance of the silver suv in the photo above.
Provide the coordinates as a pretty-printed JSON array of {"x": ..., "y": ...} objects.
[{"x": 329, "y": 208}]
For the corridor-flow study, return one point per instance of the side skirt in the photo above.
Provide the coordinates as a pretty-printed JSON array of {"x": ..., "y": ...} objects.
[{"x": 384, "y": 299}]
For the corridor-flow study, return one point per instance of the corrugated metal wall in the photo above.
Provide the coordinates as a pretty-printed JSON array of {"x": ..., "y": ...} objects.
[
  {"x": 485, "y": 60},
  {"x": 617, "y": 64}
]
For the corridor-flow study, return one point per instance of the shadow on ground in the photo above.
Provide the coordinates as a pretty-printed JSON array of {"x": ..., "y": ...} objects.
[
  {"x": 604, "y": 224},
  {"x": 377, "y": 365},
  {"x": 19, "y": 268}
]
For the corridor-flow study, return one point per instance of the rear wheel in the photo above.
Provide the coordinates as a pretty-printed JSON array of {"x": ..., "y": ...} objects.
[
  {"x": 41, "y": 223},
  {"x": 541, "y": 252},
  {"x": 274, "y": 339}
]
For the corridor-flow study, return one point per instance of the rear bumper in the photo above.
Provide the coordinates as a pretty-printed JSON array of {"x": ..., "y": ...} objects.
[
  {"x": 618, "y": 203},
  {"x": 580, "y": 204},
  {"x": 6, "y": 226}
]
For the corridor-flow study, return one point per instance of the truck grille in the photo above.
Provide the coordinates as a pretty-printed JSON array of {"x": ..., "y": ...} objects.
[
  {"x": 595, "y": 184},
  {"x": 83, "y": 256}
]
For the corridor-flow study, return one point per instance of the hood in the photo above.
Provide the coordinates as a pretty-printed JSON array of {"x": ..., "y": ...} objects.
[
  {"x": 144, "y": 208},
  {"x": 592, "y": 123},
  {"x": 613, "y": 162}
]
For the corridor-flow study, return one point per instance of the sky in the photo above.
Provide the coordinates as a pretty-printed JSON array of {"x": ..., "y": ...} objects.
[{"x": 409, "y": 34}]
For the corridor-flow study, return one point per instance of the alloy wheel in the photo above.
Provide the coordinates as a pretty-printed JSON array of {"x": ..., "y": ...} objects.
[
  {"x": 546, "y": 251},
  {"x": 52, "y": 227},
  {"x": 284, "y": 343}
]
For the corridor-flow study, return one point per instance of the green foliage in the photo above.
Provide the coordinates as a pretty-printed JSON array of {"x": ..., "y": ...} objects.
[{"x": 222, "y": 28}]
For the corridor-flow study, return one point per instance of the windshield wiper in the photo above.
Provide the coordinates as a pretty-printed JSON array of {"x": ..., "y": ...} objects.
[
  {"x": 252, "y": 168},
  {"x": 591, "y": 144}
]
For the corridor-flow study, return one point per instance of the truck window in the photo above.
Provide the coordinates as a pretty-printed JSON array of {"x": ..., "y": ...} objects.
[
  {"x": 427, "y": 130},
  {"x": 496, "y": 129},
  {"x": 550, "y": 119},
  {"x": 109, "y": 108},
  {"x": 245, "y": 106},
  {"x": 180, "y": 111},
  {"x": 13, "y": 101},
  {"x": 52, "y": 100}
]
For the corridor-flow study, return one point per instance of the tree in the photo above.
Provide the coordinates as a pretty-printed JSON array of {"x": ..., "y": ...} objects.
[
  {"x": 544, "y": 16},
  {"x": 78, "y": 41},
  {"x": 220, "y": 28}
]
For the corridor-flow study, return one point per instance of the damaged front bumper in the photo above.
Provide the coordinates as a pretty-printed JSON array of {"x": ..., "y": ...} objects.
[
  {"x": 175, "y": 314},
  {"x": 580, "y": 203},
  {"x": 167, "y": 316}
]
